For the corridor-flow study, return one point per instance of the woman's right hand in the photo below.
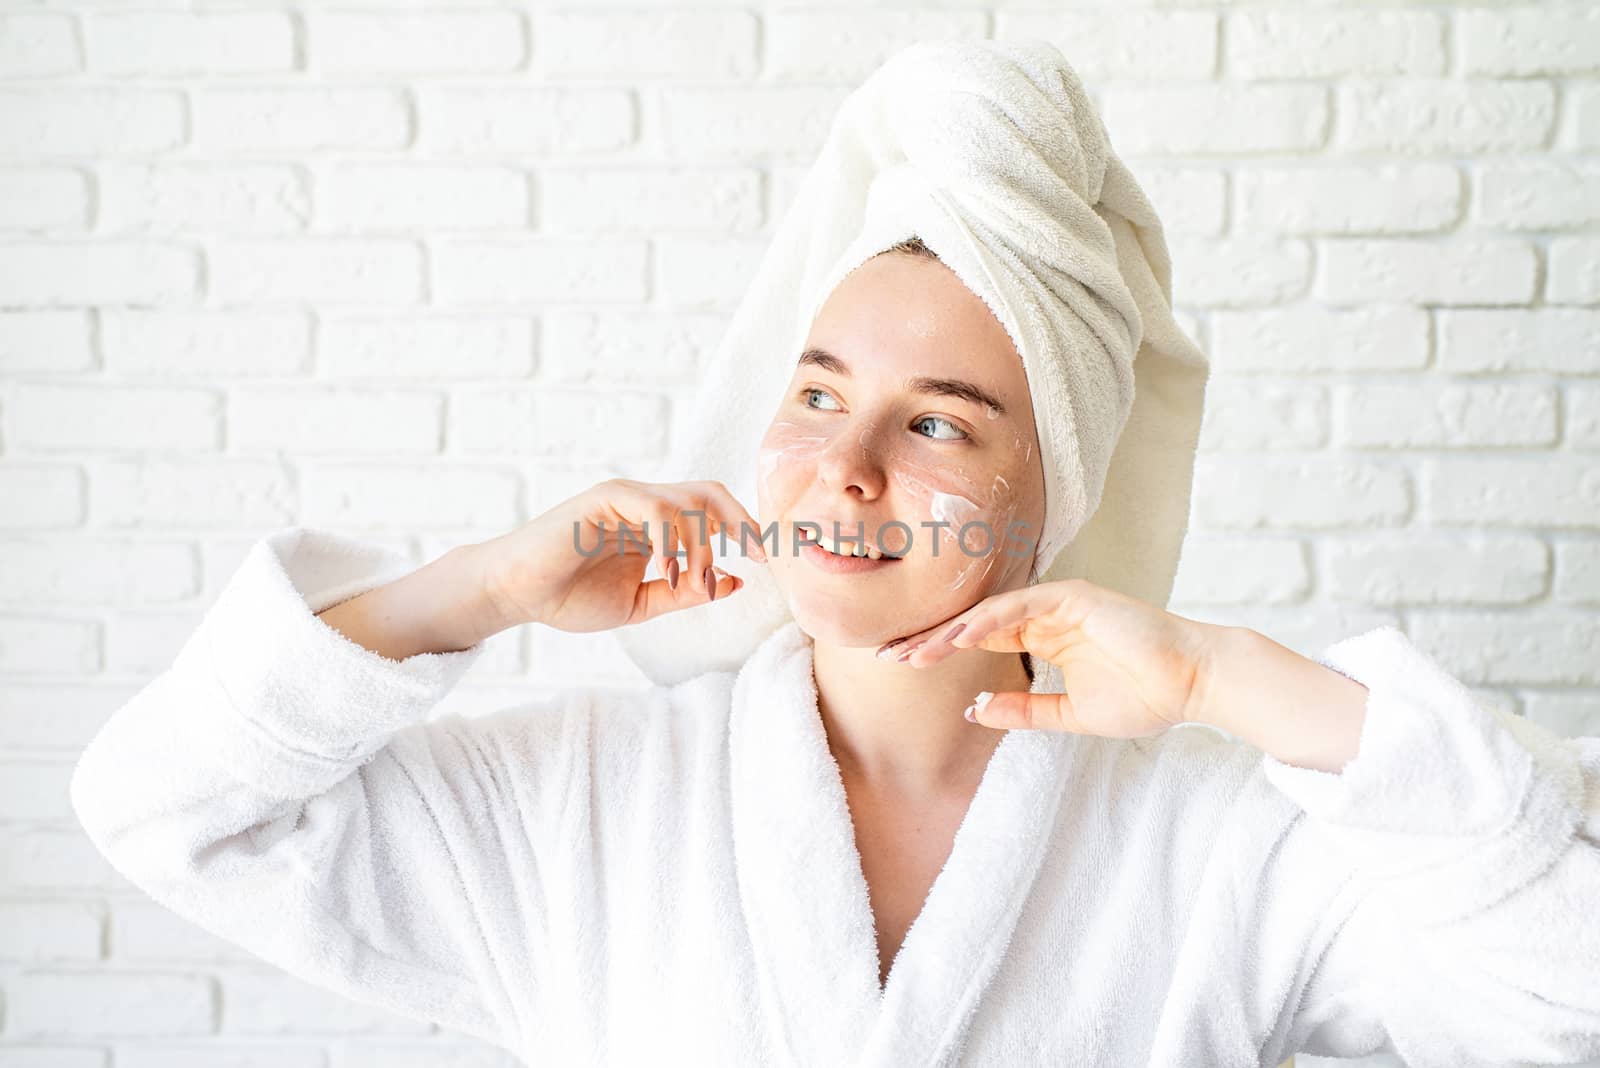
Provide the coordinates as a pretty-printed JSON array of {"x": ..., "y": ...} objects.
[{"x": 535, "y": 574}]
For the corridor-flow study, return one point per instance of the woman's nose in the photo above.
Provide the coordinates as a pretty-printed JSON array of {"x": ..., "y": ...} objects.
[{"x": 855, "y": 458}]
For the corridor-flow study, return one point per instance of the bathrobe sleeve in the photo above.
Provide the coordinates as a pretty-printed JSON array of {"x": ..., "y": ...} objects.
[
  {"x": 1469, "y": 841},
  {"x": 278, "y": 787}
]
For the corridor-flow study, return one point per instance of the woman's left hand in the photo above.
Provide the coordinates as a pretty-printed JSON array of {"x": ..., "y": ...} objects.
[{"x": 1130, "y": 669}]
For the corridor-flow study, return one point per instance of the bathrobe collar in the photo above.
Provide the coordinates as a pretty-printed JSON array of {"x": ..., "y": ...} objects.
[{"x": 805, "y": 898}]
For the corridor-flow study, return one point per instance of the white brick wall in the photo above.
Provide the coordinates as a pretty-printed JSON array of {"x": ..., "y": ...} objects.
[{"x": 384, "y": 267}]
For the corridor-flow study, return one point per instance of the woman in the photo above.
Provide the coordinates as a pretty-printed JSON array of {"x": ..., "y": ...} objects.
[{"x": 815, "y": 858}]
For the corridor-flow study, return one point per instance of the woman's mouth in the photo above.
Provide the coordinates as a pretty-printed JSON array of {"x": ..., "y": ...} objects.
[{"x": 844, "y": 562}]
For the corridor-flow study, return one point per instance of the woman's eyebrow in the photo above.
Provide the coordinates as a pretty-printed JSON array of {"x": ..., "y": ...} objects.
[{"x": 937, "y": 387}]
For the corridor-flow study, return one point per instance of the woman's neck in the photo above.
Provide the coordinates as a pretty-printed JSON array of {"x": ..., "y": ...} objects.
[{"x": 901, "y": 728}]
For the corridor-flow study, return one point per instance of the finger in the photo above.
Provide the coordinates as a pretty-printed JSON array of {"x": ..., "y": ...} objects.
[
  {"x": 1024, "y": 711},
  {"x": 907, "y": 642},
  {"x": 653, "y": 598},
  {"x": 924, "y": 647},
  {"x": 656, "y": 598},
  {"x": 692, "y": 529},
  {"x": 720, "y": 512},
  {"x": 727, "y": 583},
  {"x": 712, "y": 582},
  {"x": 665, "y": 518},
  {"x": 660, "y": 520},
  {"x": 686, "y": 521},
  {"x": 928, "y": 653},
  {"x": 1003, "y": 610},
  {"x": 732, "y": 517},
  {"x": 671, "y": 570},
  {"x": 904, "y": 647},
  {"x": 927, "y": 647},
  {"x": 723, "y": 583},
  {"x": 639, "y": 517},
  {"x": 703, "y": 518}
]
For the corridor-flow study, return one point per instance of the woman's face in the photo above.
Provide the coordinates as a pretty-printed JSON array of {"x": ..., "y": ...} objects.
[{"x": 909, "y": 404}]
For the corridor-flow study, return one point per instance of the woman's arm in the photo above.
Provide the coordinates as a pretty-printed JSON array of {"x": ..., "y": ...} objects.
[
  {"x": 278, "y": 786},
  {"x": 441, "y": 607},
  {"x": 1468, "y": 844}
]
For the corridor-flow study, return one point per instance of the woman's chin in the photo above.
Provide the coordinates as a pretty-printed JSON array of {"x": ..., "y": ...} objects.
[
  {"x": 868, "y": 619},
  {"x": 850, "y": 625}
]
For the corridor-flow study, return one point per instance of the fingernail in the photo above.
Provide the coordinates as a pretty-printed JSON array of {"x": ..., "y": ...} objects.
[
  {"x": 909, "y": 652},
  {"x": 711, "y": 583},
  {"x": 953, "y": 631},
  {"x": 672, "y": 574},
  {"x": 970, "y": 714},
  {"x": 982, "y": 700},
  {"x": 886, "y": 646}
]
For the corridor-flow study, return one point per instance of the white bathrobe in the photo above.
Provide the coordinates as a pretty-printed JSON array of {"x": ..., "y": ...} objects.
[{"x": 671, "y": 877}]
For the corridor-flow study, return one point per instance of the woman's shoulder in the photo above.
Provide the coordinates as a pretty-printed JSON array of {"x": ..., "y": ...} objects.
[{"x": 597, "y": 722}]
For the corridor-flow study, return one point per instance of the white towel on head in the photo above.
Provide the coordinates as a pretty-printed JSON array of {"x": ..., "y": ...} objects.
[{"x": 994, "y": 155}]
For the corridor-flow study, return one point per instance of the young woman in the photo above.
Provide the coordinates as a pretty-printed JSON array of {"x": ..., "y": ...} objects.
[{"x": 818, "y": 858}]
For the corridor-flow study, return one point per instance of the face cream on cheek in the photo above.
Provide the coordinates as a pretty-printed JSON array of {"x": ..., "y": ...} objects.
[
  {"x": 993, "y": 537},
  {"x": 971, "y": 525},
  {"x": 952, "y": 508},
  {"x": 946, "y": 510},
  {"x": 773, "y": 461},
  {"x": 785, "y": 463}
]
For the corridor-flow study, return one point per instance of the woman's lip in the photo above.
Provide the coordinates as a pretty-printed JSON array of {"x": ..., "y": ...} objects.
[{"x": 842, "y": 565}]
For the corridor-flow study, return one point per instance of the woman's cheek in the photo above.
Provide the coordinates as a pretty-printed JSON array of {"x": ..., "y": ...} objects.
[
  {"x": 786, "y": 465},
  {"x": 964, "y": 525}
]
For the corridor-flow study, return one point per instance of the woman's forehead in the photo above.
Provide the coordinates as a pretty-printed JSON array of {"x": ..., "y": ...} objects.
[
  {"x": 962, "y": 382},
  {"x": 911, "y": 319}
]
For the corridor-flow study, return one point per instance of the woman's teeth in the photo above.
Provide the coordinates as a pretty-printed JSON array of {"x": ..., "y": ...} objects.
[{"x": 843, "y": 548}]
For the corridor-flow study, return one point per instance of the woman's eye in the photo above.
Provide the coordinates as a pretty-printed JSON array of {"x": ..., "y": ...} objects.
[
  {"x": 811, "y": 391},
  {"x": 805, "y": 395},
  {"x": 935, "y": 419}
]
